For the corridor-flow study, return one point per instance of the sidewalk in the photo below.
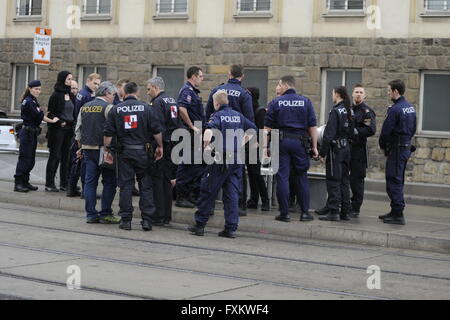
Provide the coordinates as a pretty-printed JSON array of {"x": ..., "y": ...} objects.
[{"x": 428, "y": 228}]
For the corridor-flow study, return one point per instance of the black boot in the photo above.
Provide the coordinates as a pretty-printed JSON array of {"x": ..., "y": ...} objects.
[
  {"x": 73, "y": 192},
  {"x": 395, "y": 218},
  {"x": 283, "y": 218},
  {"x": 322, "y": 212},
  {"x": 384, "y": 216},
  {"x": 227, "y": 233},
  {"x": 182, "y": 202},
  {"x": 146, "y": 225},
  {"x": 305, "y": 216},
  {"x": 344, "y": 216},
  {"x": 252, "y": 204},
  {"x": 51, "y": 189},
  {"x": 197, "y": 230},
  {"x": 265, "y": 206},
  {"x": 30, "y": 187},
  {"x": 331, "y": 216},
  {"x": 19, "y": 187},
  {"x": 354, "y": 213},
  {"x": 125, "y": 225}
]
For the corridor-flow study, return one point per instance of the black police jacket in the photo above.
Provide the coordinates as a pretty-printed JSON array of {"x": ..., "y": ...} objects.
[{"x": 166, "y": 109}]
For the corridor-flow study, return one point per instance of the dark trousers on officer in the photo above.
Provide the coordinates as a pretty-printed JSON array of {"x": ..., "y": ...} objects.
[
  {"x": 395, "y": 177},
  {"x": 27, "y": 156},
  {"x": 59, "y": 144},
  {"x": 109, "y": 181},
  {"x": 217, "y": 176},
  {"x": 357, "y": 176},
  {"x": 162, "y": 187},
  {"x": 77, "y": 167},
  {"x": 292, "y": 153},
  {"x": 337, "y": 179},
  {"x": 135, "y": 163},
  {"x": 188, "y": 179},
  {"x": 257, "y": 184}
]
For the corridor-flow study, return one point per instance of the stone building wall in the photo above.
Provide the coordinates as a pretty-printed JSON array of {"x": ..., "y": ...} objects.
[{"x": 380, "y": 60}]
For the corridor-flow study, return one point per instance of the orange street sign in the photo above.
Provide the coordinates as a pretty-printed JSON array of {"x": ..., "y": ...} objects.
[{"x": 42, "y": 46}]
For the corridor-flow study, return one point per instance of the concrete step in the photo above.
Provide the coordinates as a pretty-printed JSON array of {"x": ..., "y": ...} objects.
[{"x": 428, "y": 228}]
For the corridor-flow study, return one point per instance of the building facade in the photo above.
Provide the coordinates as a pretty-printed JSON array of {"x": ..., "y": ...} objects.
[{"x": 323, "y": 43}]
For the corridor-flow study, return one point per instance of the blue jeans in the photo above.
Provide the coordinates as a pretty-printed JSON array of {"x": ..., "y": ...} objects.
[{"x": 109, "y": 181}]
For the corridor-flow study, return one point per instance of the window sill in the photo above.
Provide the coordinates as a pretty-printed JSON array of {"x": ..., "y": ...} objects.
[
  {"x": 433, "y": 135},
  {"x": 171, "y": 17},
  {"x": 343, "y": 14},
  {"x": 441, "y": 14},
  {"x": 96, "y": 18},
  {"x": 251, "y": 15},
  {"x": 28, "y": 19}
]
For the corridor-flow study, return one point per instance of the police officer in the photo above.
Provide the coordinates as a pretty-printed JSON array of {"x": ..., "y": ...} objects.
[
  {"x": 32, "y": 116},
  {"x": 164, "y": 169},
  {"x": 227, "y": 172},
  {"x": 191, "y": 111},
  {"x": 365, "y": 127},
  {"x": 89, "y": 135},
  {"x": 76, "y": 167},
  {"x": 133, "y": 122},
  {"x": 395, "y": 139},
  {"x": 294, "y": 116},
  {"x": 336, "y": 148}
]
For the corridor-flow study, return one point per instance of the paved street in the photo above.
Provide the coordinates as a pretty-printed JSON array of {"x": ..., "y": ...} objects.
[{"x": 38, "y": 245}]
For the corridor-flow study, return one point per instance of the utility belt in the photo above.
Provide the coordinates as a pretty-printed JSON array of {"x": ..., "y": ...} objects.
[
  {"x": 304, "y": 139},
  {"x": 339, "y": 144},
  {"x": 144, "y": 147},
  {"x": 401, "y": 147},
  {"x": 37, "y": 131}
]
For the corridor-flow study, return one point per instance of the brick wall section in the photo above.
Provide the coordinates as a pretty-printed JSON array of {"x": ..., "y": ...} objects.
[{"x": 381, "y": 60}]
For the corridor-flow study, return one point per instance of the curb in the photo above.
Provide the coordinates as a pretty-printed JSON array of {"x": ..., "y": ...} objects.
[{"x": 259, "y": 224}]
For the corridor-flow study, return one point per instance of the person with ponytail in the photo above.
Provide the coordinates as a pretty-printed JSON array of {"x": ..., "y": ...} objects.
[
  {"x": 60, "y": 133},
  {"x": 32, "y": 116},
  {"x": 336, "y": 149}
]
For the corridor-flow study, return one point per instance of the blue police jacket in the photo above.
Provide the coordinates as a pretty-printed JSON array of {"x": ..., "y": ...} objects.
[
  {"x": 190, "y": 99},
  {"x": 31, "y": 112},
  {"x": 239, "y": 99},
  {"x": 291, "y": 112},
  {"x": 84, "y": 96},
  {"x": 400, "y": 124},
  {"x": 228, "y": 119}
]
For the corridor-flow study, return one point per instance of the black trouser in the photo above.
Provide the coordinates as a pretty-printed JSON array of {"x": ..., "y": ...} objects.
[
  {"x": 338, "y": 184},
  {"x": 257, "y": 184},
  {"x": 27, "y": 156},
  {"x": 357, "y": 175},
  {"x": 293, "y": 188},
  {"x": 162, "y": 173},
  {"x": 131, "y": 163},
  {"x": 59, "y": 140}
]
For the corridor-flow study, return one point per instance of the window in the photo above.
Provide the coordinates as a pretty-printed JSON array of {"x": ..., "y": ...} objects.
[
  {"x": 173, "y": 77},
  {"x": 164, "y": 7},
  {"x": 257, "y": 78},
  {"x": 332, "y": 79},
  {"x": 437, "y": 5},
  {"x": 435, "y": 102},
  {"x": 97, "y": 7},
  {"x": 22, "y": 74},
  {"x": 345, "y": 5},
  {"x": 254, "y": 6},
  {"x": 27, "y": 8},
  {"x": 85, "y": 71}
]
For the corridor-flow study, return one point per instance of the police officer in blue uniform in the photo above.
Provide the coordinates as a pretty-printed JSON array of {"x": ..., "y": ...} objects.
[
  {"x": 32, "y": 116},
  {"x": 240, "y": 100},
  {"x": 76, "y": 165},
  {"x": 191, "y": 110},
  {"x": 294, "y": 116},
  {"x": 164, "y": 171},
  {"x": 365, "y": 127},
  {"x": 133, "y": 122},
  {"x": 227, "y": 172},
  {"x": 395, "y": 139},
  {"x": 336, "y": 148}
]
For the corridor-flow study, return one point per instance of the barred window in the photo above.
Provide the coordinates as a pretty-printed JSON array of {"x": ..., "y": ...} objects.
[
  {"x": 29, "y": 7},
  {"x": 22, "y": 74},
  {"x": 345, "y": 5},
  {"x": 437, "y": 5},
  {"x": 435, "y": 105},
  {"x": 247, "y": 6},
  {"x": 97, "y": 7},
  {"x": 171, "y": 7}
]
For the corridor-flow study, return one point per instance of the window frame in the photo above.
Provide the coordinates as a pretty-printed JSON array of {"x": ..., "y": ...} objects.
[
  {"x": 254, "y": 12},
  {"x": 80, "y": 78},
  {"x": 346, "y": 10},
  {"x": 14, "y": 75},
  {"x": 180, "y": 67},
  {"x": 171, "y": 14},
  {"x": 431, "y": 11},
  {"x": 420, "y": 131},
  {"x": 323, "y": 102},
  {"x": 29, "y": 15},
  {"x": 97, "y": 14}
]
